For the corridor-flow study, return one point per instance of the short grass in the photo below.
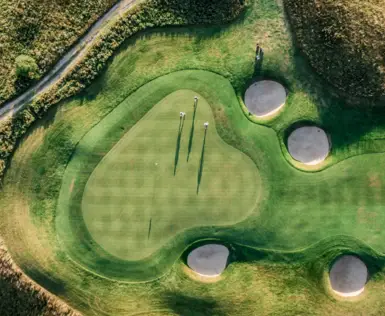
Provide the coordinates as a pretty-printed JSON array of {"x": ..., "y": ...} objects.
[
  {"x": 344, "y": 198},
  {"x": 165, "y": 175}
]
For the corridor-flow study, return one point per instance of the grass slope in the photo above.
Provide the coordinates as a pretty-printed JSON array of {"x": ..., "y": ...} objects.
[
  {"x": 266, "y": 281},
  {"x": 344, "y": 41},
  {"x": 43, "y": 30}
]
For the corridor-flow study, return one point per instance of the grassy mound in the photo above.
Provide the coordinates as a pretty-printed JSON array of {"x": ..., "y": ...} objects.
[{"x": 344, "y": 41}]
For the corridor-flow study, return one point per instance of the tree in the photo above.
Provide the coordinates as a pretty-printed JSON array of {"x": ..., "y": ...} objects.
[{"x": 26, "y": 67}]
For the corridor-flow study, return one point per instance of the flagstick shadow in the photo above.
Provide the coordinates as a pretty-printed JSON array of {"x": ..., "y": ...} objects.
[
  {"x": 178, "y": 141},
  {"x": 200, "y": 171},
  {"x": 258, "y": 64},
  {"x": 190, "y": 142},
  {"x": 149, "y": 228}
]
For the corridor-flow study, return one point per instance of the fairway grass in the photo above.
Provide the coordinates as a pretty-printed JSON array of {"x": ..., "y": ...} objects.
[{"x": 145, "y": 191}]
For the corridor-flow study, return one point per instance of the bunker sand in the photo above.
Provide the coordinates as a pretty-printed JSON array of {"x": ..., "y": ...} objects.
[
  {"x": 348, "y": 276},
  {"x": 209, "y": 260},
  {"x": 265, "y": 98},
  {"x": 309, "y": 145}
]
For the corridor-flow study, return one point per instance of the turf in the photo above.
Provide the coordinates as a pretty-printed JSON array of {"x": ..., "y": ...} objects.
[
  {"x": 165, "y": 175},
  {"x": 272, "y": 282}
]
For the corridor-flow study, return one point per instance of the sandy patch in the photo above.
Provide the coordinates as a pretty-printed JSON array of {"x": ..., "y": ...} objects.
[
  {"x": 309, "y": 145},
  {"x": 265, "y": 98},
  {"x": 209, "y": 260},
  {"x": 200, "y": 278},
  {"x": 72, "y": 185},
  {"x": 348, "y": 276}
]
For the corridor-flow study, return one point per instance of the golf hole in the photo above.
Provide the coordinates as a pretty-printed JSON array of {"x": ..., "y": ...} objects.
[
  {"x": 348, "y": 276},
  {"x": 309, "y": 145},
  {"x": 264, "y": 98},
  {"x": 209, "y": 260}
]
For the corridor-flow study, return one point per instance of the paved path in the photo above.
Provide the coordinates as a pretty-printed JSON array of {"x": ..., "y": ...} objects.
[{"x": 66, "y": 62}]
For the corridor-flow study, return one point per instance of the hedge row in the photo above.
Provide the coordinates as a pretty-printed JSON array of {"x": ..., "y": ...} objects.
[
  {"x": 344, "y": 41},
  {"x": 152, "y": 13}
]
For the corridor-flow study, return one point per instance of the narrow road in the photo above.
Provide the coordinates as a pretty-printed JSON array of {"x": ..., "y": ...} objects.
[{"x": 66, "y": 62}]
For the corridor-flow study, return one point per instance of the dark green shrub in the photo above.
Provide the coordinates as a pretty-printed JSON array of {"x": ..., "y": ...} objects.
[{"x": 26, "y": 67}]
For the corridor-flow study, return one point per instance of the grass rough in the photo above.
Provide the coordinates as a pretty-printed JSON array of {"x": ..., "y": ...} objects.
[{"x": 344, "y": 41}]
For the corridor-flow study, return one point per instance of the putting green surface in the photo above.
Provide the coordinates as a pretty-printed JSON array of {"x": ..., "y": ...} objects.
[
  {"x": 145, "y": 191},
  {"x": 142, "y": 184}
]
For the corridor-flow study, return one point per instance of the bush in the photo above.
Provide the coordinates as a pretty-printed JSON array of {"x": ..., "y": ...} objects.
[
  {"x": 344, "y": 41},
  {"x": 26, "y": 67}
]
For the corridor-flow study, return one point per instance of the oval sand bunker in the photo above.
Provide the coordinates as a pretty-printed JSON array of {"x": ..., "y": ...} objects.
[
  {"x": 348, "y": 276},
  {"x": 309, "y": 145},
  {"x": 265, "y": 98},
  {"x": 208, "y": 260}
]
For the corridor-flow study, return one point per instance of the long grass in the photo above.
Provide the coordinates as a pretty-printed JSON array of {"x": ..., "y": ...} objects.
[{"x": 344, "y": 41}]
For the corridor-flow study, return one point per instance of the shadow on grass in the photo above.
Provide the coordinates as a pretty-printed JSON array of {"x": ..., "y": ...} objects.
[
  {"x": 178, "y": 141},
  {"x": 200, "y": 171},
  {"x": 258, "y": 63},
  {"x": 149, "y": 228},
  {"x": 190, "y": 141},
  {"x": 47, "y": 281},
  {"x": 185, "y": 305}
]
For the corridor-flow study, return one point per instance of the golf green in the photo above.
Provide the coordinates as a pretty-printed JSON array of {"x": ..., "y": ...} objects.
[{"x": 166, "y": 174}]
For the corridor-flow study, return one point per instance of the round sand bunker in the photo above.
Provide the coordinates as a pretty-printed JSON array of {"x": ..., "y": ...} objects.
[
  {"x": 348, "y": 276},
  {"x": 208, "y": 260},
  {"x": 265, "y": 98},
  {"x": 309, "y": 145}
]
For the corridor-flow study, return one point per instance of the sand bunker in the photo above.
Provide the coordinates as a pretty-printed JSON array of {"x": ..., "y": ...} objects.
[
  {"x": 309, "y": 145},
  {"x": 348, "y": 276},
  {"x": 265, "y": 98},
  {"x": 208, "y": 260}
]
